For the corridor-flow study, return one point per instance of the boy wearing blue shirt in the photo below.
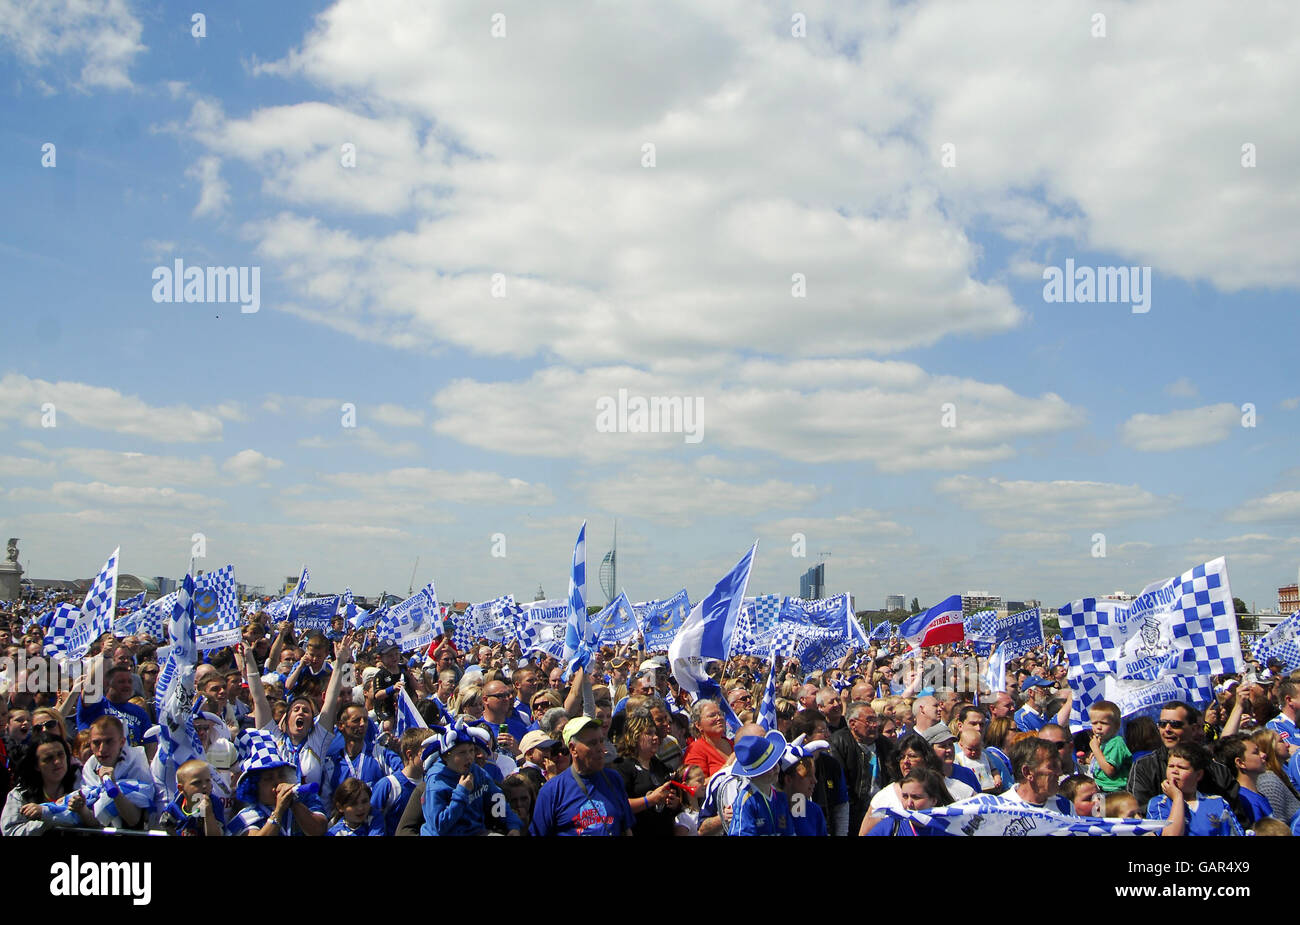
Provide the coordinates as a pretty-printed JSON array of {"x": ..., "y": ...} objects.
[
  {"x": 587, "y": 799},
  {"x": 1284, "y": 724},
  {"x": 1188, "y": 811},
  {"x": 391, "y": 793},
  {"x": 459, "y": 796},
  {"x": 755, "y": 811}
]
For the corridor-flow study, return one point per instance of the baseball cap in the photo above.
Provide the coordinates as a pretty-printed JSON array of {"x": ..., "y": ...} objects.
[
  {"x": 938, "y": 734},
  {"x": 535, "y": 739},
  {"x": 575, "y": 726}
]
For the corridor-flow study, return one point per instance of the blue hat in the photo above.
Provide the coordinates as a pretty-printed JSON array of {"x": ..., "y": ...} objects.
[
  {"x": 1034, "y": 681},
  {"x": 757, "y": 755}
]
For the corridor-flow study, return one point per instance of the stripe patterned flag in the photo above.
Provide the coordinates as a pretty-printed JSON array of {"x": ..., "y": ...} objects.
[
  {"x": 298, "y": 591},
  {"x": 1283, "y": 643},
  {"x": 940, "y": 624},
  {"x": 179, "y": 740},
  {"x": 408, "y": 717},
  {"x": 991, "y": 815},
  {"x": 706, "y": 634},
  {"x": 579, "y": 638}
]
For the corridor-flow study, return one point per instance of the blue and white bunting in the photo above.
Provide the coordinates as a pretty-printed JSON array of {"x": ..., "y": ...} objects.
[{"x": 991, "y": 815}]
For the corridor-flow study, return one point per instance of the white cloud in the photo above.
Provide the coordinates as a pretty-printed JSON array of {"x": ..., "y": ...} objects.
[
  {"x": 364, "y": 440},
  {"x": 21, "y": 467},
  {"x": 396, "y": 415},
  {"x": 859, "y": 527},
  {"x": 1179, "y": 430},
  {"x": 1290, "y": 404},
  {"x": 1181, "y": 388},
  {"x": 1278, "y": 506},
  {"x": 137, "y": 469},
  {"x": 1033, "y": 540},
  {"x": 887, "y": 413},
  {"x": 100, "y": 408},
  {"x": 214, "y": 192},
  {"x": 675, "y": 493},
  {"x": 250, "y": 465},
  {"x": 100, "y": 493},
  {"x": 1026, "y": 505},
  {"x": 103, "y": 35}
]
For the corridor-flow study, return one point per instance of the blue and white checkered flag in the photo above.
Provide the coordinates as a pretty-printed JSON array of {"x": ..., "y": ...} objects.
[
  {"x": 1282, "y": 642},
  {"x": 1185, "y": 625},
  {"x": 64, "y": 618},
  {"x": 216, "y": 608},
  {"x": 132, "y": 603},
  {"x": 880, "y": 632},
  {"x": 579, "y": 641},
  {"x": 767, "y": 709},
  {"x": 259, "y": 750},
  {"x": 150, "y": 620},
  {"x": 179, "y": 740}
]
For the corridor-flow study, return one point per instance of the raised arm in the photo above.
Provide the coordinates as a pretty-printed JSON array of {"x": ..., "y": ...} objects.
[
  {"x": 261, "y": 706},
  {"x": 342, "y": 656},
  {"x": 1063, "y": 714}
]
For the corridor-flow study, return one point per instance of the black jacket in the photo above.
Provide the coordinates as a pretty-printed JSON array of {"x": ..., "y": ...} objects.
[
  {"x": 849, "y": 754},
  {"x": 1149, "y": 771}
]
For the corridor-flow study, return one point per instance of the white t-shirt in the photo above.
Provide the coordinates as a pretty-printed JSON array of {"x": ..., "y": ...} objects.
[{"x": 981, "y": 766}]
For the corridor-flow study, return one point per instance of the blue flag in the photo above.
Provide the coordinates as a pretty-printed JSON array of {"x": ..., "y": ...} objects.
[
  {"x": 615, "y": 624},
  {"x": 660, "y": 620},
  {"x": 706, "y": 634}
]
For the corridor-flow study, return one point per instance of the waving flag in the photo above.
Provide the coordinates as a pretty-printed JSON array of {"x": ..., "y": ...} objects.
[
  {"x": 940, "y": 624},
  {"x": 660, "y": 620},
  {"x": 767, "y": 709},
  {"x": 179, "y": 740},
  {"x": 1282, "y": 643},
  {"x": 414, "y": 622},
  {"x": 1185, "y": 625},
  {"x": 298, "y": 591},
  {"x": 706, "y": 634},
  {"x": 349, "y": 606},
  {"x": 981, "y": 629},
  {"x": 880, "y": 632},
  {"x": 216, "y": 609},
  {"x": 990, "y": 815},
  {"x": 132, "y": 603},
  {"x": 615, "y": 624},
  {"x": 317, "y": 613},
  {"x": 150, "y": 620},
  {"x": 579, "y": 632},
  {"x": 408, "y": 717},
  {"x": 94, "y": 619}
]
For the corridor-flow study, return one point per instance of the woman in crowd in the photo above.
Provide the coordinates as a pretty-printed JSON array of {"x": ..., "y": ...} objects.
[
  {"x": 1274, "y": 783},
  {"x": 710, "y": 748},
  {"x": 920, "y": 789},
  {"x": 913, "y": 752},
  {"x": 45, "y": 796},
  {"x": 651, "y": 796}
]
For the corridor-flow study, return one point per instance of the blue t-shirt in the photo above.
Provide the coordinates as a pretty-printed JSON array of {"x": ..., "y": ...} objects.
[
  {"x": 752, "y": 813},
  {"x": 193, "y": 825},
  {"x": 1028, "y": 721},
  {"x": 134, "y": 719},
  {"x": 339, "y": 767},
  {"x": 389, "y": 797},
  {"x": 257, "y": 815},
  {"x": 809, "y": 823},
  {"x": 372, "y": 826},
  {"x": 597, "y": 806},
  {"x": 1260, "y": 808},
  {"x": 1212, "y": 816}
]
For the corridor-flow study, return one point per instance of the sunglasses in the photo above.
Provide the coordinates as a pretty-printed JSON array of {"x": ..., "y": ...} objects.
[
  {"x": 47, "y": 726},
  {"x": 1171, "y": 723}
]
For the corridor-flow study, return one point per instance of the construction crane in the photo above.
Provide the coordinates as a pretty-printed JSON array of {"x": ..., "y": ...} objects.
[{"x": 410, "y": 589}]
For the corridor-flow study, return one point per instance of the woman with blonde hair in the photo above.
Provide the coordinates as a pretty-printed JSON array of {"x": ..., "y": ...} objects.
[{"x": 1274, "y": 784}]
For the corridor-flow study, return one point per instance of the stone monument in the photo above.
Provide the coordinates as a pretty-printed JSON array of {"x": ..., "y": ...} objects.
[{"x": 11, "y": 574}]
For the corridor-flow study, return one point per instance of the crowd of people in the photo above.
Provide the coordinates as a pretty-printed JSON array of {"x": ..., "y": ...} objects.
[{"x": 309, "y": 734}]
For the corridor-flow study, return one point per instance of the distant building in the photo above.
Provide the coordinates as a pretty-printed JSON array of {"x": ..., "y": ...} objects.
[
  {"x": 895, "y": 602},
  {"x": 1288, "y": 599},
  {"x": 165, "y": 585},
  {"x": 812, "y": 583},
  {"x": 975, "y": 601}
]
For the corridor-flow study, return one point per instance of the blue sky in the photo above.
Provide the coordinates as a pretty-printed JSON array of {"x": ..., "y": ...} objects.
[{"x": 775, "y": 155}]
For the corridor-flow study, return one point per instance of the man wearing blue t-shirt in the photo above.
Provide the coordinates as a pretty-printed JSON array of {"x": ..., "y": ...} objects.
[
  {"x": 1030, "y": 717},
  {"x": 116, "y": 701},
  {"x": 587, "y": 799}
]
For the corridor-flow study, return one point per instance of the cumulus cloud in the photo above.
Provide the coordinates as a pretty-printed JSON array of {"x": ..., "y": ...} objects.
[
  {"x": 250, "y": 465},
  {"x": 676, "y": 493},
  {"x": 101, "y": 408},
  {"x": 1180, "y": 430},
  {"x": 103, "y": 36},
  {"x": 1026, "y": 505}
]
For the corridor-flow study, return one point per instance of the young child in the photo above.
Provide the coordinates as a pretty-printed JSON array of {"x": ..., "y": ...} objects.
[
  {"x": 1240, "y": 754},
  {"x": 459, "y": 796},
  {"x": 194, "y": 812},
  {"x": 1188, "y": 811},
  {"x": 755, "y": 811},
  {"x": 391, "y": 793},
  {"x": 1122, "y": 805},
  {"x": 352, "y": 810},
  {"x": 1111, "y": 759},
  {"x": 1082, "y": 792}
]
